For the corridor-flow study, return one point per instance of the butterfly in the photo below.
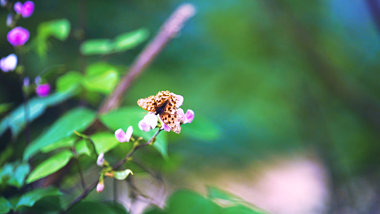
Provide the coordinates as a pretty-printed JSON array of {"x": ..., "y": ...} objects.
[{"x": 163, "y": 104}]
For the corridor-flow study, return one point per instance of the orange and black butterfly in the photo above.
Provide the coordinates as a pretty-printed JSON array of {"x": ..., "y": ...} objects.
[{"x": 164, "y": 103}]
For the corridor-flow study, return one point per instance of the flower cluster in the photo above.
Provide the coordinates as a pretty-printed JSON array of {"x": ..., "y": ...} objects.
[
  {"x": 150, "y": 121},
  {"x": 25, "y": 10},
  {"x": 17, "y": 37}
]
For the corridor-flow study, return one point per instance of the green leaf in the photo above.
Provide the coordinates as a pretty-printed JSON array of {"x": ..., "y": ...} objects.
[
  {"x": 130, "y": 116},
  {"x": 82, "y": 148},
  {"x": 89, "y": 207},
  {"x": 101, "y": 77},
  {"x": 69, "y": 81},
  {"x": 59, "y": 29},
  {"x": 66, "y": 142},
  {"x": 36, "y": 107},
  {"x": 75, "y": 120},
  {"x": 30, "y": 198},
  {"x": 241, "y": 209},
  {"x": 215, "y": 193},
  {"x": 202, "y": 128},
  {"x": 18, "y": 177},
  {"x": 5, "y": 107},
  {"x": 121, "y": 175},
  {"x": 122, "y": 42},
  {"x": 130, "y": 40},
  {"x": 104, "y": 142},
  {"x": 188, "y": 202},
  {"x": 50, "y": 166},
  {"x": 5, "y": 206},
  {"x": 96, "y": 46},
  {"x": 6, "y": 172},
  {"x": 6, "y": 154},
  {"x": 116, "y": 207}
]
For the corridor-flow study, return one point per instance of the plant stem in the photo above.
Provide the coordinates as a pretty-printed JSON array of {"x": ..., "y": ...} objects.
[
  {"x": 168, "y": 31},
  {"x": 79, "y": 169},
  {"x": 134, "y": 150},
  {"x": 87, "y": 190}
]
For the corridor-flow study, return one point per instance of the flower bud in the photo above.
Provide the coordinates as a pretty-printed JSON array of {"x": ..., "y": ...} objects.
[
  {"x": 100, "y": 186},
  {"x": 100, "y": 160},
  {"x": 26, "y": 81},
  {"x": 9, "y": 21}
]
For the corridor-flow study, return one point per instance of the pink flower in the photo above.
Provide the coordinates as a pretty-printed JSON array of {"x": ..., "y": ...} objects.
[
  {"x": 100, "y": 186},
  {"x": 8, "y": 63},
  {"x": 25, "y": 10},
  {"x": 179, "y": 100},
  {"x": 18, "y": 36},
  {"x": 122, "y": 136},
  {"x": 189, "y": 116},
  {"x": 100, "y": 160},
  {"x": 185, "y": 118},
  {"x": 148, "y": 122},
  {"x": 43, "y": 90}
]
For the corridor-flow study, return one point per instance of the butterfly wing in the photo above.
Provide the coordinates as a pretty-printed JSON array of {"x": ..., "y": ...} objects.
[
  {"x": 148, "y": 103},
  {"x": 171, "y": 105},
  {"x": 172, "y": 121}
]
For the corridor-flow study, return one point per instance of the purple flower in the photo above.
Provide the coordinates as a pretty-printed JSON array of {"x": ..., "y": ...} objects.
[
  {"x": 122, "y": 136},
  {"x": 189, "y": 116},
  {"x": 8, "y": 63},
  {"x": 37, "y": 80},
  {"x": 43, "y": 90},
  {"x": 25, "y": 10},
  {"x": 100, "y": 160},
  {"x": 3, "y": 3},
  {"x": 100, "y": 186},
  {"x": 18, "y": 36},
  {"x": 148, "y": 122}
]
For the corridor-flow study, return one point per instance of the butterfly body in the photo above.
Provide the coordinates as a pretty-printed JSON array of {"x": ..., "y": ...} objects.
[{"x": 164, "y": 105}]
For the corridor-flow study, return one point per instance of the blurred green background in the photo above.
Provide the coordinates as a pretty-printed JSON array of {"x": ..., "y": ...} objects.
[{"x": 280, "y": 78}]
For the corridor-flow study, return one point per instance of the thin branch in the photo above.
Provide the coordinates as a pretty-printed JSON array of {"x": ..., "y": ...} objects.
[
  {"x": 79, "y": 168},
  {"x": 136, "y": 148},
  {"x": 92, "y": 186},
  {"x": 168, "y": 31}
]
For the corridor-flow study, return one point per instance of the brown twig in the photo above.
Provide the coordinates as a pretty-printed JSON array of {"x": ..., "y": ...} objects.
[{"x": 168, "y": 31}]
